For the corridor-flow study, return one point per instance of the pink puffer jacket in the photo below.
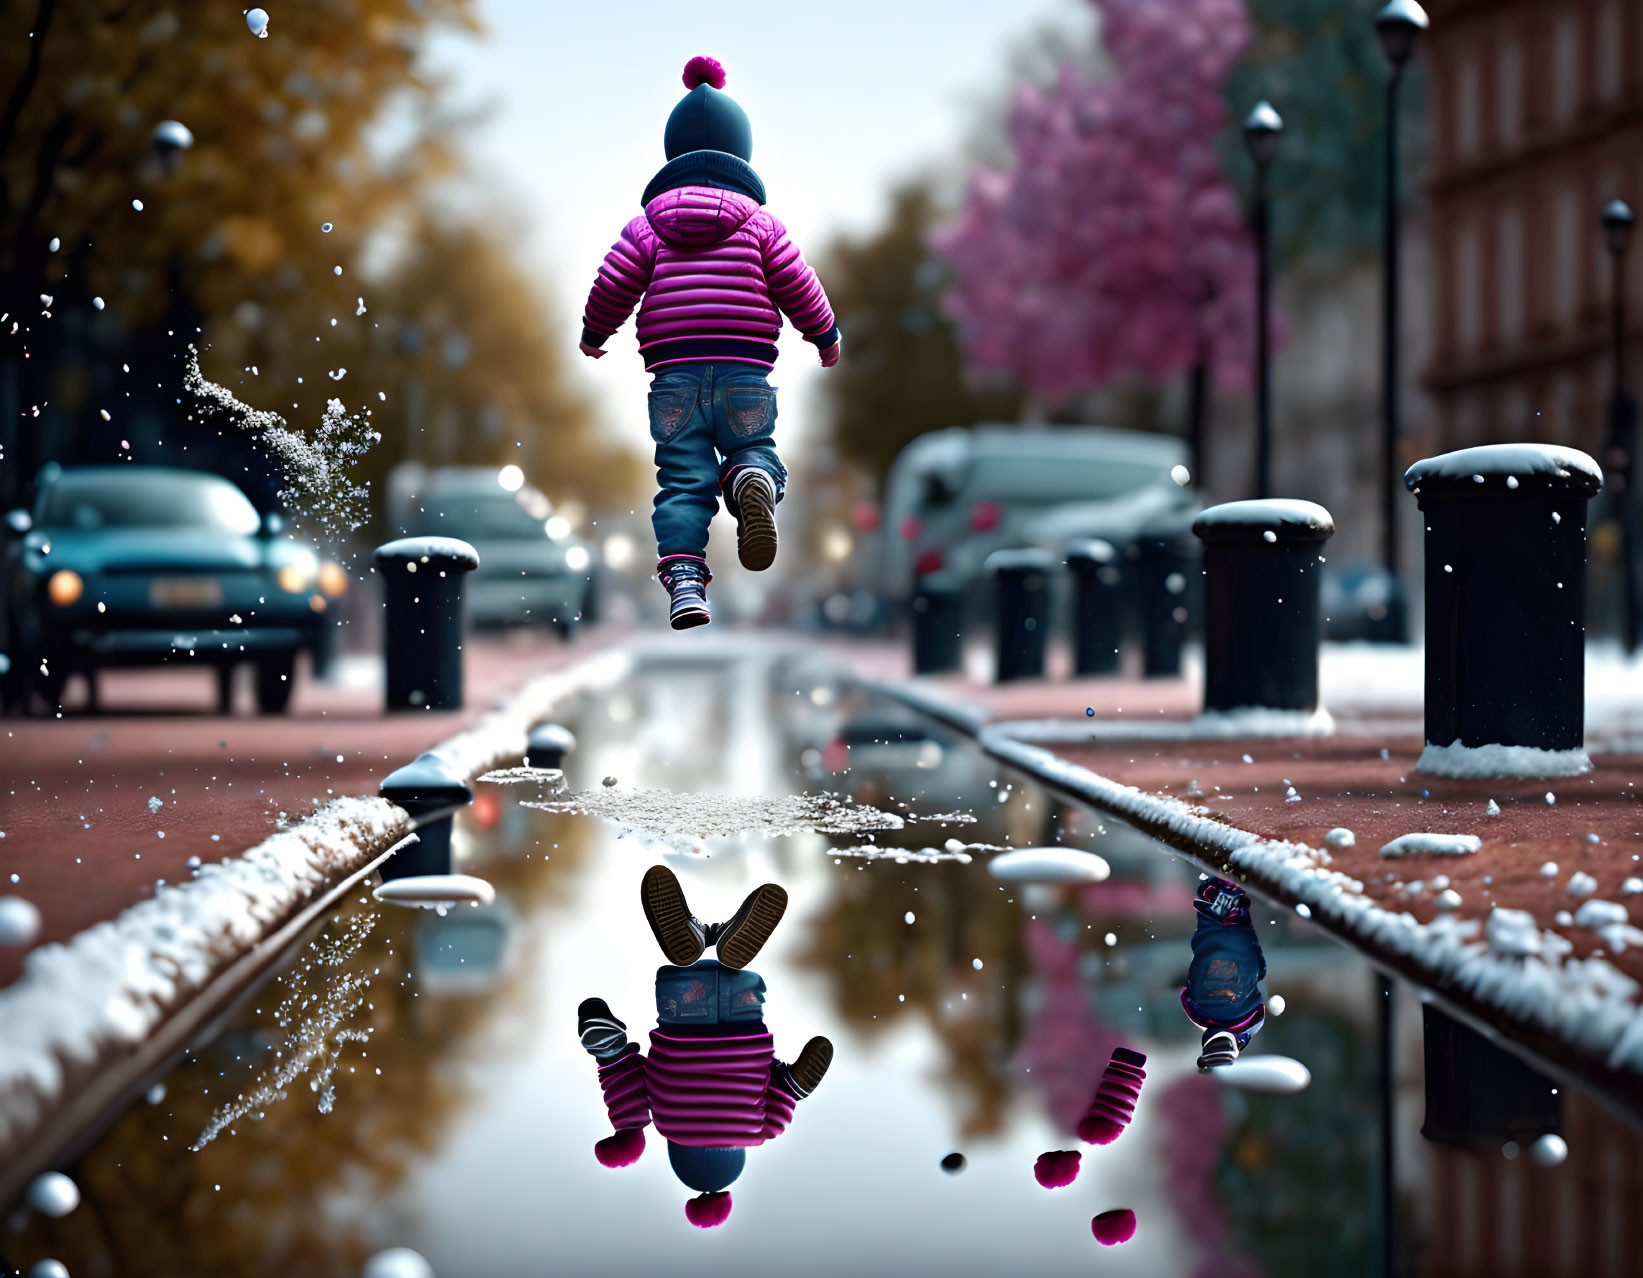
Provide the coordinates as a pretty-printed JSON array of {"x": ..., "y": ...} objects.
[{"x": 712, "y": 267}]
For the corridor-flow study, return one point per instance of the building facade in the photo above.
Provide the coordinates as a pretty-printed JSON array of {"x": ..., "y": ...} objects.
[{"x": 1537, "y": 124}]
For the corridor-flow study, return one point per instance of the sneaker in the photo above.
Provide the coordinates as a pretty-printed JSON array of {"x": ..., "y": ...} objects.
[
  {"x": 681, "y": 935},
  {"x": 753, "y": 500},
  {"x": 686, "y": 581},
  {"x": 1220, "y": 1047},
  {"x": 810, "y": 1067},
  {"x": 738, "y": 942}
]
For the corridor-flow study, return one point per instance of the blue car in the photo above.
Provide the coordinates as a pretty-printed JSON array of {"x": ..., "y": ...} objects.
[{"x": 139, "y": 565}]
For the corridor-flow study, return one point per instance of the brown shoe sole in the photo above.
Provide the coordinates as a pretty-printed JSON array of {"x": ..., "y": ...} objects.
[
  {"x": 811, "y": 1067},
  {"x": 756, "y": 533},
  {"x": 744, "y": 936},
  {"x": 669, "y": 916}
]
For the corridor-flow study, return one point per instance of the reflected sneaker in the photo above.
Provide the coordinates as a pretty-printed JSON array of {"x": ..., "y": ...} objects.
[
  {"x": 603, "y": 1036},
  {"x": 753, "y": 502},
  {"x": 686, "y": 581},
  {"x": 681, "y": 935},
  {"x": 806, "y": 1072},
  {"x": 738, "y": 942},
  {"x": 1220, "y": 1047}
]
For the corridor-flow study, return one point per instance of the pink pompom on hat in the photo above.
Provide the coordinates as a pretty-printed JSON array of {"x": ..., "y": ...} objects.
[
  {"x": 622, "y": 1149},
  {"x": 709, "y": 1210},
  {"x": 704, "y": 70}
]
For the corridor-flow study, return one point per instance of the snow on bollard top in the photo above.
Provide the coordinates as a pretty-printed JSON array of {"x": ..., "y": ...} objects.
[
  {"x": 1434, "y": 844},
  {"x": 435, "y": 891},
  {"x": 447, "y": 554},
  {"x": 397, "y": 1262},
  {"x": 1536, "y": 468},
  {"x": 1089, "y": 550},
  {"x": 1021, "y": 559},
  {"x": 1273, "y": 1075},
  {"x": 1287, "y": 519},
  {"x": 1049, "y": 865}
]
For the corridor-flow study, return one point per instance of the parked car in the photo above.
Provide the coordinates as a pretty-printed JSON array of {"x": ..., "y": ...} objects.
[
  {"x": 955, "y": 496},
  {"x": 532, "y": 568},
  {"x": 139, "y": 565}
]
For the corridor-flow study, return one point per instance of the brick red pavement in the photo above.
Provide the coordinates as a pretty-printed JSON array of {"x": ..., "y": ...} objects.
[{"x": 80, "y": 836}]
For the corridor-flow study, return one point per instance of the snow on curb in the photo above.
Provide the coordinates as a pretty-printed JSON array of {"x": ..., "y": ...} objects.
[
  {"x": 105, "y": 990},
  {"x": 1587, "y": 1003},
  {"x": 1212, "y": 725},
  {"x": 1471, "y": 762},
  {"x": 1433, "y": 844}
]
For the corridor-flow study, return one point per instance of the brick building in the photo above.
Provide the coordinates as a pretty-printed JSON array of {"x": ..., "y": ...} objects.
[{"x": 1537, "y": 122}]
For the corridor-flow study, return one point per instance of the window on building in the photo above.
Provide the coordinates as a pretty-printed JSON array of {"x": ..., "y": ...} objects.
[
  {"x": 1610, "y": 52},
  {"x": 1567, "y": 258},
  {"x": 1566, "y": 68},
  {"x": 1468, "y": 89},
  {"x": 1513, "y": 302},
  {"x": 1508, "y": 91},
  {"x": 1468, "y": 289}
]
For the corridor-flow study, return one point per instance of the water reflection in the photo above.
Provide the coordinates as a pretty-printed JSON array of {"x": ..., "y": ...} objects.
[{"x": 712, "y": 1083}]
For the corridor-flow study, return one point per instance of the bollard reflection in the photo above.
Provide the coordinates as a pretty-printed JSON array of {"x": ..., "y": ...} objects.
[{"x": 712, "y": 1083}]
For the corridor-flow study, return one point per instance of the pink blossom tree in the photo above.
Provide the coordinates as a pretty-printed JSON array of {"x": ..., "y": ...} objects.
[{"x": 1113, "y": 244}]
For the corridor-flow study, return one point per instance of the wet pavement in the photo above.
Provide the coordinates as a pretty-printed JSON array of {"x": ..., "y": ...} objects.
[{"x": 412, "y": 1079}]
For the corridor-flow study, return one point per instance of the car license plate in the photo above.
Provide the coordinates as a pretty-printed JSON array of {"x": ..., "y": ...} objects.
[{"x": 185, "y": 592}]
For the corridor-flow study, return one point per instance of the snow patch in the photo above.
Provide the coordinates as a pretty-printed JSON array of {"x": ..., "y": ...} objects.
[
  {"x": 1473, "y": 762},
  {"x": 435, "y": 891},
  {"x": 1213, "y": 725},
  {"x": 1433, "y": 844},
  {"x": 1340, "y": 838}
]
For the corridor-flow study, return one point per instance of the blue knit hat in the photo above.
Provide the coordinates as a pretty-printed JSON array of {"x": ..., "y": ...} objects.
[
  {"x": 705, "y": 1169},
  {"x": 708, "y": 139}
]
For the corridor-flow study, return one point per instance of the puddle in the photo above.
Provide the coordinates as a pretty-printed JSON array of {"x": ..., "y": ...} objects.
[{"x": 416, "y": 1080}]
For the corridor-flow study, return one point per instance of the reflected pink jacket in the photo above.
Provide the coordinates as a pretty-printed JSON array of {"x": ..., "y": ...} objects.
[{"x": 712, "y": 274}]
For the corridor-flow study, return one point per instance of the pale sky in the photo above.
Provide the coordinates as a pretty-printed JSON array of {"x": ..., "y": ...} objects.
[{"x": 844, "y": 97}]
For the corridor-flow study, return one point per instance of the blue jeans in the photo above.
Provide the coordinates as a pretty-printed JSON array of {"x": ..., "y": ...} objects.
[
  {"x": 707, "y": 419},
  {"x": 708, "y": 993},
  {"x": 1223, "y": 981}
]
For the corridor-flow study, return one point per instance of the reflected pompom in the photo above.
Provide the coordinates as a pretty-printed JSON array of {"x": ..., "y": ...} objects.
[
  {"x": 708, "y": 1210},
  {"x": 1113, "y": 1227},
  {"x": 704, "y": 70},
  {"x": 1057, "y": 1169},
  {"x": 622, "y": 1149}
]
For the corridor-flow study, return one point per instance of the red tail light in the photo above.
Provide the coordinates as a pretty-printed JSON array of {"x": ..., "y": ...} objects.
[
  {"x": 865, "y": 516},
  {"x": 984, "y": 516},
  {"x": 928, "y": 561},
  {"x": 910, "y": 528}
]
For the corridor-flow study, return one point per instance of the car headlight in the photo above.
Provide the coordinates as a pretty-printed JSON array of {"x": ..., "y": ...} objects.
[
  {"x": 332, "y": 579},
  {"x": 293, "y": 580},
  {"x": 577, "y": 558},
  {"x": 64, "y": 587}
]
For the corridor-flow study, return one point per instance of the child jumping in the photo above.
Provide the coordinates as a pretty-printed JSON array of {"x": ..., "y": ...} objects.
[
  {"x": 712, "y": 1083},
  {"x": 712, "y": 274}
]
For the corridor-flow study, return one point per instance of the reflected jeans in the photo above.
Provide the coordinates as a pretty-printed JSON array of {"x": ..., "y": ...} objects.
[
  {"x": 1223, "y": 982},
  {"x": 708, "y": 993},
  {"x": 707, "y": 420}
]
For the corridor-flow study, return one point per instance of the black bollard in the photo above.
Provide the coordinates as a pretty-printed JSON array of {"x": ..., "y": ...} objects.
[
  {"x": 548, "y": 745},
  {"x": 1097, "y": 611},
  {"x": 1505, "y": 608},
  {"x": 1021, "y": 611},
  {"x": 1262, "y": 614},
  {"x": 938, "y": 624},
  {"x": 1164, "y": 569},
  {"x": 430, "y": 789},
  {"x": 422, "y": 625}
]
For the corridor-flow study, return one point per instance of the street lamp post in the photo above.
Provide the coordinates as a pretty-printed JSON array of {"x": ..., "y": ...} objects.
[
  {"x": 1617, "y": 233},
  {"x": 1399, "y": 26},
  {"x": 1262, "y": 128}
]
